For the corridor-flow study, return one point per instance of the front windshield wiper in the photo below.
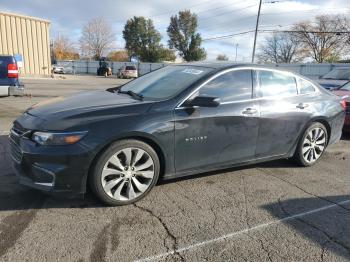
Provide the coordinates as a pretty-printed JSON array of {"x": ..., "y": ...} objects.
[{"x": 132, "y": 94}]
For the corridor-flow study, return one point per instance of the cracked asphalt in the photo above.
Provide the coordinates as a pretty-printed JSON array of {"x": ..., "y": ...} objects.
[{"x": 274, "y": 211}]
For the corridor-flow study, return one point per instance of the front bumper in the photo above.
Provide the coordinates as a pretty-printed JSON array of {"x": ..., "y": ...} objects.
[{"x": 53, "y": 169}]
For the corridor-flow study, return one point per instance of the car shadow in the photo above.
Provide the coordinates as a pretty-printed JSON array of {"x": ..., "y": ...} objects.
[{"x": 324, "y": 221}]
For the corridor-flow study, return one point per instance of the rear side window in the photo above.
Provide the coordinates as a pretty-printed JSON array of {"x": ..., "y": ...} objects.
[
  {"x": 305, "y": 87},
  {"x": 130, "y": 68},
  {"x": 231, "y": 86},
  {"x": 276, "y": 84}
]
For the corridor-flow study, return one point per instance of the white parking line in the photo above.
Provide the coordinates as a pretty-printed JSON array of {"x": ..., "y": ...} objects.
[
  {"x": 4, "y": 133},
  {"x": 238, "y": 233}
]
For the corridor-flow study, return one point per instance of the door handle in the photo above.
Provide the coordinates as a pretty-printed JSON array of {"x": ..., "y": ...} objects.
[
  {"x": 302, "y": 106},
  {"x": 249, "y": 111}
]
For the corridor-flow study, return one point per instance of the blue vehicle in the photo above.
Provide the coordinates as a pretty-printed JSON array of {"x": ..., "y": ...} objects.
[{"x": 9, "y": 82}]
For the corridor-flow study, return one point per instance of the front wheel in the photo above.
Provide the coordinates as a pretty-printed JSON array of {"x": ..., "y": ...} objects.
[
  {"x": 125, "y": 172},
  {"x": 312, "y": 145}
]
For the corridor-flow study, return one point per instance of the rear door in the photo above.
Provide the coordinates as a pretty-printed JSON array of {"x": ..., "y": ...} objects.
[
  {"x": 210, "y": 136},
  {"x": 283, "y": 112}
]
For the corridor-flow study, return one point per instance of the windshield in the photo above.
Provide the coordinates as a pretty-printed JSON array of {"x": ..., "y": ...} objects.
[
  {"x": 165, "y": 82},
  {"x": 345, "y": 87},
  {"x": 338, "y": 74}
]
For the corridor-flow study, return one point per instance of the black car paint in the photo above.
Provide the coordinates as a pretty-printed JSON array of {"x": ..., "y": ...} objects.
[{"x": 188, "y": 140}]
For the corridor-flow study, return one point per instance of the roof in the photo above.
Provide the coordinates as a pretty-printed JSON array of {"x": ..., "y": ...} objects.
[
  {"x": 25, "y": 17},
  {"x": 224, "y": 65}
]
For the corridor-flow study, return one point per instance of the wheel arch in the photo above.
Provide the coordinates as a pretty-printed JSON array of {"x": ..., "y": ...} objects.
[
  {"x": 322, "y": 120},
  {"x": 143, "y": 137}
]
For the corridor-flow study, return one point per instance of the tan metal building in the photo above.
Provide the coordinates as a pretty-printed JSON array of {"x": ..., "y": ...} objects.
[{"x": 26, "y": 37}]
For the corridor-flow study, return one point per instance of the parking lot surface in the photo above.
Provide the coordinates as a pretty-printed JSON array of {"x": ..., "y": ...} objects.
[{"x": 274, "y": 211}]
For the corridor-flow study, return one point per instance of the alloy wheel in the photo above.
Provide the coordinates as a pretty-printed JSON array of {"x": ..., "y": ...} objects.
[
  {"x": 314, "y": 144},
  {"x": 127, "y": 174}
]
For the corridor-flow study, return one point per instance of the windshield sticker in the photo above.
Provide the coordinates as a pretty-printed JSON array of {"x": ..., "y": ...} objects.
[{"x": 192, "y": 71}]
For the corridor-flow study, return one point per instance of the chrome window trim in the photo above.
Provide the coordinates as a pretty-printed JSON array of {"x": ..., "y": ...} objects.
[{"x": 253, "y": 68}]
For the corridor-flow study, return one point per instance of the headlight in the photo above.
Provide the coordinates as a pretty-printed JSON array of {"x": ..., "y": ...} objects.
[{"x": 47, "y": 138}]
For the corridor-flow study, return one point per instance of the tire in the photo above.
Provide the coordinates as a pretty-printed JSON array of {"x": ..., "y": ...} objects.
[
  {"x": 311, "y": 145},
  {"x": 115, "y": 181}
]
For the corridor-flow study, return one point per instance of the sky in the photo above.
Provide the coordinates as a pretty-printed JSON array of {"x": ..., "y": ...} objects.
[{"x": 215, "y": 18}]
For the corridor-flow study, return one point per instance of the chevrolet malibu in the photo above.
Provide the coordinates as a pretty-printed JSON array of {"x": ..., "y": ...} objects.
[{"x": 176, "y": 121}]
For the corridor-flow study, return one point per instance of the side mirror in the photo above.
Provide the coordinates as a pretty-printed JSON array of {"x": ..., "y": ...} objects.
[{"x": 204, "y": 101}]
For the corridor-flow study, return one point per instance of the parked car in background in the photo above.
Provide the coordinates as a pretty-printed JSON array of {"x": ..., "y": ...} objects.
[
  {"x": 120, "y": 141},
  {"x": 127, "y": 72},
  {"x": 335, "y": 78},
  {"x": 58, "y": 69},
  {"x": 9, "y": 81},
  {"x": 62, "y": 69},
  {"x": 344, "y": 92}
]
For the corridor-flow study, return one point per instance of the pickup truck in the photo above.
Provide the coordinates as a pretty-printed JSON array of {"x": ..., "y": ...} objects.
[{"x": 9, "y": 82}]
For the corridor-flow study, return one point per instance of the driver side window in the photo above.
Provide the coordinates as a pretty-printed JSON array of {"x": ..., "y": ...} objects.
[{"x": 230, "y": 87}]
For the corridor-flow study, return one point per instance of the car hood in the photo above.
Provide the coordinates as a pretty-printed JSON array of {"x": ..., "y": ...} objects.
[
  {"x": 330, "y": 83},
  {"x": 343, "y": 93},
  {"x": 83, "y": 108}
]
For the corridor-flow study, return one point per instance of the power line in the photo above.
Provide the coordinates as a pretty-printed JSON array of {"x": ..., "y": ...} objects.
[
  {"x": 303, "y": 11},
  {"x": 301, "y": 31},
  {"x": 169, "y": 13},
  {"x": 228, "y": 36},
  {"x": 225, "y": 23},
  {"x": 175, "y": 11},
  {"x": 274, "y": 31},
  {"x": 200, "y": 12},
  {"x": 228, "y": 12}
]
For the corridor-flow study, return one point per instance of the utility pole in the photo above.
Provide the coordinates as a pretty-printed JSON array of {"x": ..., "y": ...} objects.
[{"x": 256, "y": 30}]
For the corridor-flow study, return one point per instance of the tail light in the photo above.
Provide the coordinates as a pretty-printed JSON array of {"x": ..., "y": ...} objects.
[
  {"x": 12, "y": 71},
  {"x": 343, "y": 104}
]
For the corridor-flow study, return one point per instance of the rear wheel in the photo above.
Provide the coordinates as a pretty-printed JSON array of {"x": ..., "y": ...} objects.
[
  {"x": 312, "y": 145},
  {"x": 125, "y": 172}
]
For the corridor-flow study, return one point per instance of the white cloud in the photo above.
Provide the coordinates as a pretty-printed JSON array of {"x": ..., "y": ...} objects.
[{"x": 216, "y": 18}]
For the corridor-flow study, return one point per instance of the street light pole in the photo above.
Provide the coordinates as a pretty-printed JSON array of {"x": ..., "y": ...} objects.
[{"x": 256, "y": 30}]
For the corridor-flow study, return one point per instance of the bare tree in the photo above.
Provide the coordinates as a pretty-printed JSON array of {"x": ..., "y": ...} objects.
[
  {"x": 97, "y": 38},
  {"x": 280, "y": 48},
  {"x": 321, "y": 39},
  {"x": 63, "y": 48}
]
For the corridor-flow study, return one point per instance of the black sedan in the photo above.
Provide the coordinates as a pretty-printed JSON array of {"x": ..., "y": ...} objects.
[{"x": 179, "y": 120}]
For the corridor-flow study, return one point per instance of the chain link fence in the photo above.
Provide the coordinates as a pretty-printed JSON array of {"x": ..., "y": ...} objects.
[
  {"x": 312, "y": 71},
  {"x": 90, "y": 67}
]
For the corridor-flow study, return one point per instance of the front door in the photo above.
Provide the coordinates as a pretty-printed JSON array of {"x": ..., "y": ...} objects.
[{"x": 208, "y": 136}]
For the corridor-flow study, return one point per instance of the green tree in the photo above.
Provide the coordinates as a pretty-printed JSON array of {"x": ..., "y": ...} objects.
[
  {"x": 167, "y": 54},
  {"x": 142, "y": 39},
  {"x": 184, "y": 38}
]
